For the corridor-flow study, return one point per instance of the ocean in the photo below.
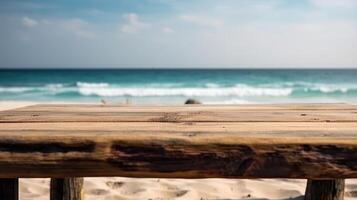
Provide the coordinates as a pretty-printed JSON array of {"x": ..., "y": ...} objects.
[{"x": 174, "y": 86}]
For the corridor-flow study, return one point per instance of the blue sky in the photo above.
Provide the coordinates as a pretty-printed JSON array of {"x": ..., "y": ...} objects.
[{"x": 178, "y": 33}]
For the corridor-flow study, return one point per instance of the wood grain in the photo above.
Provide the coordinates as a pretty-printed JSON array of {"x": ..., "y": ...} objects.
[
  {"x": 188, "y": 113},
  {"x": 325, "y": 189},
  {"x": 207, "y": 142},
  {"x": 66, "y": 189}
]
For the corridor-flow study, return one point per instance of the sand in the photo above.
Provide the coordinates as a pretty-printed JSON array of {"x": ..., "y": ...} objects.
[{"x": 116, "y": 188}]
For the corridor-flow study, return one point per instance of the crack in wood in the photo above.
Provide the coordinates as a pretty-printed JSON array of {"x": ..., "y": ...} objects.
[{"x": 45, "y": 147}]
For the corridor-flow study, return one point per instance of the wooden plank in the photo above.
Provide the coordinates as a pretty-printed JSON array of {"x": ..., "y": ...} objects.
[
  {"x": 256, "y": 113},
  {"x": 116, "y": 108},
  {"x": 282, "y": 131},
  {"x": 179, "y": 150},
  {"x": 301, "y": 141}
]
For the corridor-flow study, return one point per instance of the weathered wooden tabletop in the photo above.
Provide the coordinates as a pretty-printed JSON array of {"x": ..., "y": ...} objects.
[{"x": 193, "y": 141}]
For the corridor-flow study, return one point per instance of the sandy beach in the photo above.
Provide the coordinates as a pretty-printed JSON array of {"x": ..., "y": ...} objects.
[{"x": 118, "y": 188}]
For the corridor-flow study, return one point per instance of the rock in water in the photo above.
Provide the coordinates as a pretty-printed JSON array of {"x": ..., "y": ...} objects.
[{"x": 192, "y": 101}]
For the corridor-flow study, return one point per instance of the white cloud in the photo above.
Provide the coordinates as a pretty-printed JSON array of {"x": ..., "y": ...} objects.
[
  {"x": 78, "y": 26},
  {"x": 28, "y": 22},
  {"x": 133, "y": 24},
  {"x": 167, "y": 30},
  {"x": 202, "y": 21}
]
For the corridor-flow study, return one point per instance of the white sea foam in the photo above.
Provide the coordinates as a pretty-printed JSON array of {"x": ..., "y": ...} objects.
[
  {"x": 315, "y": 87},
  {"x": 172, "y": 89},
  {"x": 102, "y": 89},
  {"x": 15, "y": 89},
  {"x": 46, "y": 88},
  {"x": 330, "y": 88},
  {"x": 92, "y": 85},
  {"x": 211, "y": 85}
]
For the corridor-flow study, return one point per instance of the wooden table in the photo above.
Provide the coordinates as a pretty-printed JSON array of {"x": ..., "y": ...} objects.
[{"x": 310, "y": 141}]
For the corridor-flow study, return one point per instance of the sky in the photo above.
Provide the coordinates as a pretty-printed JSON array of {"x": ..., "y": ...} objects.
[{"x": 178, "y": 34}]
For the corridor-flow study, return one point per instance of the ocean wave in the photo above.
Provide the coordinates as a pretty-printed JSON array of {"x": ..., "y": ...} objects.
[
  {"x": 100, "y": 89},
  {"x": 212, "y": 85},
  {"x": 172, "y": 89},
  {"x": 15, "y": 89},
  {"x": 54, "y": 88},
  {"x": 315, "y": 87},
  {"x": 91, "y": 85},
  {"x": 329, "y": 89}
]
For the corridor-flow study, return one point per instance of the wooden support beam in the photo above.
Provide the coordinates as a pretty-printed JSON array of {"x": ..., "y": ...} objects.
[
  {"x": 325, "y": 189},
  {"x": 9, "y": 188},
  {"x": 66, "y": 189}
]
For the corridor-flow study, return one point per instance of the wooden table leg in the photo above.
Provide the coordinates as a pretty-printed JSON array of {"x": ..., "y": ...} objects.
[
  {"x": 66, "y": 189},
  {"x": 9, "y": 188},
  {"x": 325, "y": 189}
]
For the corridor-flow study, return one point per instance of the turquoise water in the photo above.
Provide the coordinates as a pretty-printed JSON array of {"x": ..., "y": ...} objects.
[{"x": 175, "y": 86}]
